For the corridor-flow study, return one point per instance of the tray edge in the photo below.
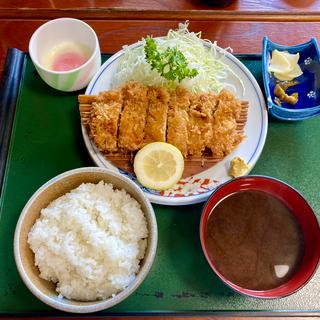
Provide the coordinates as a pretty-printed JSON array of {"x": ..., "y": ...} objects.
[{"x": 9, "y": 92}]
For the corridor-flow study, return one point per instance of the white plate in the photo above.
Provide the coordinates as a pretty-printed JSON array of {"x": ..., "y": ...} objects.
[{"x": 199, "y": 187}]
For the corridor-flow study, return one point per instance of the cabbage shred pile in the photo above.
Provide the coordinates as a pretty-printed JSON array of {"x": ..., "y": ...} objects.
[{"x": 205, "y": 59}]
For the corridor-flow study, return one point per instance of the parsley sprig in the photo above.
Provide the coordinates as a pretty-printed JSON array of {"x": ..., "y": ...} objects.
[{"x": 171, "y": 63}]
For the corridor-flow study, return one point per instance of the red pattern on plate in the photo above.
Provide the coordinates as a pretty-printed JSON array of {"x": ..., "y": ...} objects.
[{"x": 190, "y": 186}]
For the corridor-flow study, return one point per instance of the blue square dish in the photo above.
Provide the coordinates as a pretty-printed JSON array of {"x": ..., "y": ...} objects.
[{"x": 308, "y": 104}]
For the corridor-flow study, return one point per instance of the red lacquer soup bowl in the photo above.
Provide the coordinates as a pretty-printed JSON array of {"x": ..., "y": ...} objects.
[{"x": 243, "y": 263}]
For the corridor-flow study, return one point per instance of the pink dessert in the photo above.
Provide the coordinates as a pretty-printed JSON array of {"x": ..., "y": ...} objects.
[{"x": 68, "y": 61}]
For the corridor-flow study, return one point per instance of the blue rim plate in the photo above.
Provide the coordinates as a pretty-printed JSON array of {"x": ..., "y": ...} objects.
[
  {"x": 308, "y": 105},
  {"x": 199, "y": 187}
]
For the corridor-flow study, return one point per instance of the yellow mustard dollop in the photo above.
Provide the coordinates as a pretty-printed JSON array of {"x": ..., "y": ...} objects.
[{"x": 238, "y": 167}]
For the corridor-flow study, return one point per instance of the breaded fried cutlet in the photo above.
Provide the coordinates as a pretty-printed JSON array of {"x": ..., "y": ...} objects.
[
  {"x": 232, "y": 105},
  {"x": 133, "y": 117},
  {"x": 156, "y": 125},
  {"x": 178, "y": 117},
  {"x": 201, "y": 111},
  {"x": 225, "y": 136},
  {"x": 122, "y": 121},
  {"x": 105, "y": 115}
]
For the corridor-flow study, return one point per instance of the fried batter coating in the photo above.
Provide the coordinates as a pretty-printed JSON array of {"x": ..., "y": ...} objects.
[
  {"x": 178, "y": 118},
  {"x": 133, "y": 117},
  {"x": 156, "y": 126},
  {"x": 104, "y": 120},
  {"x": 126, "y": 119},
  {"x": 200, "y": 122},
  {"x": 225, "y": 136}
]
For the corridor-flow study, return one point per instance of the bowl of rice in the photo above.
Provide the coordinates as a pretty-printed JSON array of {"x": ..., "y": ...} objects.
[{"x": 85, "y": 240}]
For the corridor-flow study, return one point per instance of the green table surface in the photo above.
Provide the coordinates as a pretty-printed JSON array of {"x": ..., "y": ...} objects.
[{"x": 46, "y": 141}]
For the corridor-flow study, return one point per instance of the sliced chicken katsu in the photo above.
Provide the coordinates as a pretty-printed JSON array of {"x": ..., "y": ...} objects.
[
  {"x": 156, "y": 124},
  {"x": 225, "y": 136},
  {"x": 201, "y": 111},
  {"x": 104, "y": 120},
  {"x": 177, "y": 128},
  {"x": 133, "y": 117}
]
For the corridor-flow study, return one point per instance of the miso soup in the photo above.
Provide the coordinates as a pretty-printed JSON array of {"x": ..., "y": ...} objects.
[{"x": 254, "y": 240}]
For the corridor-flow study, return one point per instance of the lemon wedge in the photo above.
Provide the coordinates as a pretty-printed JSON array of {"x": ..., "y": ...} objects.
[{"x": 158, "y": 165}]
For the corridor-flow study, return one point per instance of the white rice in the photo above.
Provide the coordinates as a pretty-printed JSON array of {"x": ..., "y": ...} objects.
[{"x": 90, "y": 241}]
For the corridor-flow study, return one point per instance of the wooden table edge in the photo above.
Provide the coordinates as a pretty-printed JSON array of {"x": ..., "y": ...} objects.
[{"x": 147, "y": 14}]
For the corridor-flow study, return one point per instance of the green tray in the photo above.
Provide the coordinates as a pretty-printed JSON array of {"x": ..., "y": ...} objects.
[{"x": 46, "y": 140}]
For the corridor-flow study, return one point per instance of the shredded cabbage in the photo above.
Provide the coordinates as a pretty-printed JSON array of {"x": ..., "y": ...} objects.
[{"x": 205, "y": 59}]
